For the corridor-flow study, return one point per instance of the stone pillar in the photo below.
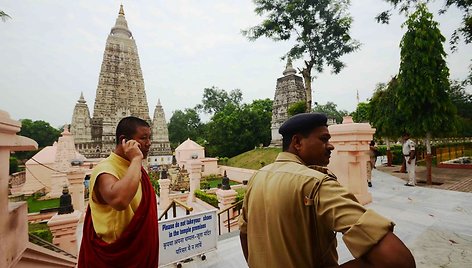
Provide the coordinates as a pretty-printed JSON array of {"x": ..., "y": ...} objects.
[
  {"x": 63, "y": 228},
  {"x": 164, "y": 190},
  {"x": 225, "y": 199},
  {"x": 350, "y": 156},
  {"x": 194, "y": 168},
  {"x": 13, "y": 215},
  {"x": 76, "y": 177}
]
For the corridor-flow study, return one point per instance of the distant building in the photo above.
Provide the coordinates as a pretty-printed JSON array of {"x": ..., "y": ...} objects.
[
  {"x": 190, "y": 150},
  {"x": 120, "y": 93},
  {"x": 289, "y": 90}
]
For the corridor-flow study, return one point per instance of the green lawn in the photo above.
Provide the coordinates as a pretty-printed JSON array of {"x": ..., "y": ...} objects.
[
  {"x": 36, "y": 205},
  {"x": 255, "y": 159},
  {"x": 214, "y": 183}
]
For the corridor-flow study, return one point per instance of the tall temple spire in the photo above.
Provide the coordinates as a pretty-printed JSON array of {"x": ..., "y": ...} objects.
[
  {"x": 81, "y": 99},
  {"x": 288, "y": 91},
  {"x": 120, "y": 93},
  {"x": 121, "y": 25},
  {"x": 289, "y": 68},
  {"x": 160, "y": 144}
]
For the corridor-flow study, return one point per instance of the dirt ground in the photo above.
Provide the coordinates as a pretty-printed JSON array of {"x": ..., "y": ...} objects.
[{"x": 443, "y": 178}]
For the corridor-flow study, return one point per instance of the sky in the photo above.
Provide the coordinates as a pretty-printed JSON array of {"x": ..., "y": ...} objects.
[{"x": 52, "y": 50}]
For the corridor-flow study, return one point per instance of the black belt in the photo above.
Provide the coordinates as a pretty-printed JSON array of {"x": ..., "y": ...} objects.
[{"x": 406, "y": 155}]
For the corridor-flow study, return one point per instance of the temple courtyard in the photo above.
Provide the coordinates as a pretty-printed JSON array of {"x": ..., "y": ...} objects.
[{"x": 436, "y": 224}]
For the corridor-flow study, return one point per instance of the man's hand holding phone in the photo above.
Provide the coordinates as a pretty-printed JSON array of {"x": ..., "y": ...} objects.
[{"x": 132, "y": 149}]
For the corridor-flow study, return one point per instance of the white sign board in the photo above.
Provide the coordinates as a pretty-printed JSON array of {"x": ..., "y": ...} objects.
[{"x": 187, "y": 236}]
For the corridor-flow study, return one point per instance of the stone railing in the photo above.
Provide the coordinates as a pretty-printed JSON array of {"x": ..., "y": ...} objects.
[
  {"x": 17, "y": 178},
  {"x": 16, "y": 182}
]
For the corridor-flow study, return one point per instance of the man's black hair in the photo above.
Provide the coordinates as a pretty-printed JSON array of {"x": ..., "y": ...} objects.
[
  {"x": 287, "y": 139},
  {"x": 127, "y": 127}
]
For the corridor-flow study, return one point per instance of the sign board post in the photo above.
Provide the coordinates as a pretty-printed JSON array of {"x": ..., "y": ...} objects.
[{"x": 184, "y": 237}]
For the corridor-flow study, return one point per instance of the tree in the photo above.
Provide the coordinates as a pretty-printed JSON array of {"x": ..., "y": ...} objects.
[
  {"x": 237, "y": 129},
  {"x": 330, "y": 109},
  {"x": 424, "y": 80},
  {"x": 463, "y": 102},
  {"x": 183, "y": 125},
  {"x": 4, "y": 16},
  {"x": 215, "y": 99},
  {"x": 362, "y": 113},
  {"x": 321, "y": 30},
  {"x": 405, "y": 6},
  {"x": 384, "y": 114},
  {"x": 296, "y": 108},
  {"x": 40, "y": 131}
]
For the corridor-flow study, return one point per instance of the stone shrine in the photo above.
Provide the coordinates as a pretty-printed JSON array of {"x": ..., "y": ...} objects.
[
  {"x": 289, "y": 90},
  {"x": 120, "y": 93}
]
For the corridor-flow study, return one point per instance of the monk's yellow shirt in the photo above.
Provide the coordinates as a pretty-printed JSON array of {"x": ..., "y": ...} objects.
[
  {"x": 108, "y": 222},
  {"x": 291, "y": 213}
]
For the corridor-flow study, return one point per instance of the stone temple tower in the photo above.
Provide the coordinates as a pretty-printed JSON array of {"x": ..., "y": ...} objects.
[
  {"x": 160, "y": 138},
  {"x": 80, "y": 125},
  {"x": 120, "y": 93},
  {"x": 289, "y": 90}
]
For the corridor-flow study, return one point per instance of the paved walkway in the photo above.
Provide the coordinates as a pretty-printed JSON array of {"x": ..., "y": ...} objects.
[
  {"x": 436, "y": 224},
  {"x": 442, "y": 178}
]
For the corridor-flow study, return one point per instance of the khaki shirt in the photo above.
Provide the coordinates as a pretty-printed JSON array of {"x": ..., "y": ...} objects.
[{"x": 291, "y": 213}]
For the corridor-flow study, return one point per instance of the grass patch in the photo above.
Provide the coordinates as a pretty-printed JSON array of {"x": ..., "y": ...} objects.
[
  {"x": 35, "y": 205},
  {"x": 255, "y": 159}
]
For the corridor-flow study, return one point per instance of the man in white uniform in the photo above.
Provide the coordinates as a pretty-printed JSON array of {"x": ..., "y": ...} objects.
[{"x": 409, "y": 154}]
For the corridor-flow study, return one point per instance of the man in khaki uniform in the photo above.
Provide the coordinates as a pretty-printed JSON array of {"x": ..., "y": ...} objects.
[{"x": 294, "y": 207}]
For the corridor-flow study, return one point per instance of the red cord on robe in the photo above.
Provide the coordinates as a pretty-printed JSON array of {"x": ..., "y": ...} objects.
[{"x": 138, "y": 245}]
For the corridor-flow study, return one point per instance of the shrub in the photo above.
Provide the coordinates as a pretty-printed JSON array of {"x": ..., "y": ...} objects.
[
  {"x": 13, "y": 165},
  {"x": 40, "y": 230},
  {"x": 396, "y": 150},
  {"x": 209, "y": 198},
  {"x": 239, "y": 197},
  {"x": 153, "y": 177},
  {"x": 204, "y": 185},
  {"x": 43, "y": 234}
]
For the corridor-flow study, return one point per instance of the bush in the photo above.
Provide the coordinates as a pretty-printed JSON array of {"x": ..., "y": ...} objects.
[
  {"x": 239, "y": 197},
  {"x": 40, "y": 230},
  {"x": 154, "y": 178},
  {"x": 13, "y": 165},
  {"x": 396, "y": 150},
  {"x": 223, "y": 161},
  {"x": 43, "y": 234},
  {"x": 209, "y": 198},
  {"x": 204, "y": 185}
]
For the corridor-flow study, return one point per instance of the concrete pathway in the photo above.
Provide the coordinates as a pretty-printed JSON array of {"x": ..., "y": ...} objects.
[{"x": 435, "y": 224}]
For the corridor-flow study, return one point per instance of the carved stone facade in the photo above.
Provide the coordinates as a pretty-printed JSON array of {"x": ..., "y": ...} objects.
[
  {"x": 120, "y": 93},
  {"x": 160, "y": 137},
  {"x": 289, "y": 90},
  {"x": 81, "y": 126}
]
